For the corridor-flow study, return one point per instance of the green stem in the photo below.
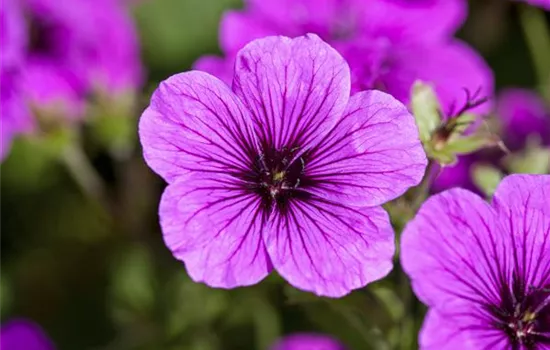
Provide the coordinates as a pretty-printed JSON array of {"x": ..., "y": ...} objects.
[
  {"x": 537, "y": 36},
  {"x": 84, "y": 174},
  {"x": 422, "y": 191}
]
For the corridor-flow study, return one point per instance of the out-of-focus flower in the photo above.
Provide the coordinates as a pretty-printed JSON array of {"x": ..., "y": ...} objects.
[
  {"x": 284, "y": 171},
  {"x": 545, "y": 4},
  {"x": 523, "y": 115},
  {"x": 483, "y": 270},
  {"x": 15, "y": 117},
  {"x": 22, "y": 334},
  {"x": 382, "y": 40},
  {"x": 307, "y": 341},
  {"x": 74, "y": 50}
]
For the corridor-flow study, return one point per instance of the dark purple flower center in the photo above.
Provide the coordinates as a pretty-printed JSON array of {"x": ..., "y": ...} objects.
[
  {"x": 278, "y": 177},
  {"x": 524, "y": 315},
  {"x": 42, "y": 40}
]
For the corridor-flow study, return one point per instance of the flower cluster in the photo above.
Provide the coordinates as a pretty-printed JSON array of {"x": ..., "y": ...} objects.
[
  {"x": 55, "y": 56},
  {"x": 384, "y": 42}
]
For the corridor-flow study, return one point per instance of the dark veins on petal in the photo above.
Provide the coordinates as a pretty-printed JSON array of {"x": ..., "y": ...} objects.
[{"x": 524, "y": 314}]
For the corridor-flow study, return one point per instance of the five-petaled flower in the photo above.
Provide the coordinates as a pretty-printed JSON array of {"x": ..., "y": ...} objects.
[
  {"x": 484, "y": 270},
  {"x": 282, "y": 171}
]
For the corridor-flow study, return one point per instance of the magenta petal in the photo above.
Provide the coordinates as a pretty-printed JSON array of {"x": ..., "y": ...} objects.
[
  {"x": 221, "y": 68},
  {"x": 21, "y": 334},
  {"x": 47, "y": 84},
  {"x": 215, "y": 227},
  {"x": 383, "y": 159},
  {"x": 195, "y": 123},
  {"x": 239, "y": 28},
  {"x": 407, "y": 19},
  {"x": 296, "y": 89},
  {"x": 329, "y": 249},
  {"x": 451, "y": 68},
  {"x": 524, "y": 191},
  {"x": 307, "y": 341},
  {"x": 545, "y": 4},
  {"x": 523, "y": 114},
  {"x": 13, "y": 34},
  {"x": 439, "y": 332},
  {"x": 453, "y": 228}
]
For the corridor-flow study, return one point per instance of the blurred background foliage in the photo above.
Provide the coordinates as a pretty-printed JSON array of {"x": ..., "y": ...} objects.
[{"x": 99, "y": 278}]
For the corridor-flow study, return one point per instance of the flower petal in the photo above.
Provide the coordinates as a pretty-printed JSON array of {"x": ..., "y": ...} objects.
[
  {"x": 239, "y": 28},
  {"x": 454, "y": 228},
  {"x": 329, "y": 249},
  {"x": 49, "y": 85},
  {"x": 23, "y": 334},
  {"x": 440, "y": 332},
  {"x": 451, "y": 68},
  {"x": 524, "y": 191},
  {"x": 523, "y": 115},
  {"x": 405, "y": 19},
  {"x": 220, "y": 67},
  {"x": 296, "y": 89},
  {"x": 307, "y": 341},
  {"x": 522, "y": 203},
  {"x": 195, "y": 123},
  {"x": 372, "y": 156},
  {"x": 211, "y": 224}
]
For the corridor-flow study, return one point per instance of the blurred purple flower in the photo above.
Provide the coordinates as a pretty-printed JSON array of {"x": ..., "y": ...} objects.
[
  {"x": 545, "y": 4},
  {"x": 74, "y": 50},
  {"x": 15, "y": 117},
  {"x": 284, "y": 171},
  {"x": 307, "y": 341},
  {"x": 21, "y": 334},
  {"x": 483, "y": 270},
  {"x": 523, "y": 115},
  {"x": 383, "y": 41}
]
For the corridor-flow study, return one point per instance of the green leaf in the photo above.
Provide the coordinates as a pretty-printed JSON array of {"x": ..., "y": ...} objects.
[
  {"x": 534, "y": 160},
  {"x": 487, "y": 178},
  {"x": 426, "y": 109},
  {"x": 132, "y": 285},
  {"x": 469, "y": 144}
]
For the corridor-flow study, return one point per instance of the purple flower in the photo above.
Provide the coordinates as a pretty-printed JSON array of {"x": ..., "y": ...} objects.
[
  {"x": 75, "y": 50},
  {"x": 284, "y": 171},
  {"x": 307, "y": 341},
  {"x": 15, "y": 116},
  {"x": 483, "y": 269},
  {"x": 382, "y": 40},
  {"x": 545, "y": 4},
  {"x": 12, "y": 34},
  {"x": 21, "y": 334},
  {"x": 523, "y": 115}
]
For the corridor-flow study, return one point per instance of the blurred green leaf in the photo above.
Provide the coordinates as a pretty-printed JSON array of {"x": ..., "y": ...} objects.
[
  {"x": 132, "y": 285},
  {"x": 487, "y": 178},
  {"x": 6, "y": 296},
  {"x": 533, "y": 160}
]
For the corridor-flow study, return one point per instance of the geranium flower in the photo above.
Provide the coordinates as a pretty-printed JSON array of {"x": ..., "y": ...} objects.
[
  {"x": 483, "y": 269},
  {"x": 388, "y": 44},
  {"x": 284, "y": 171}
]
